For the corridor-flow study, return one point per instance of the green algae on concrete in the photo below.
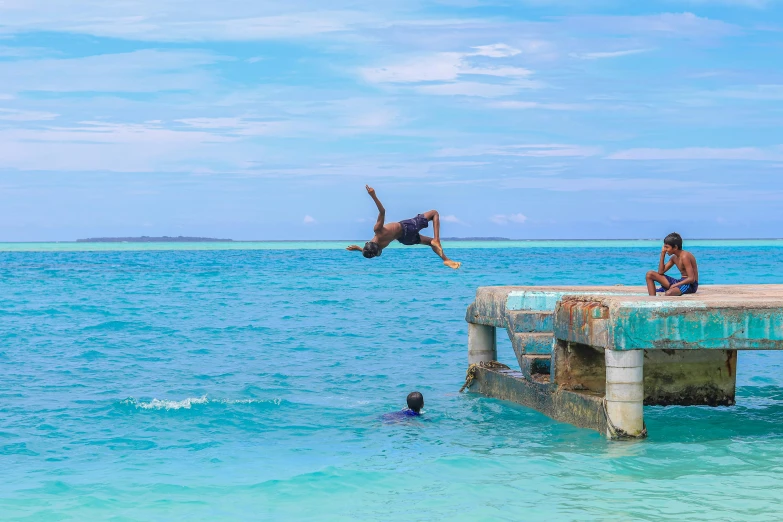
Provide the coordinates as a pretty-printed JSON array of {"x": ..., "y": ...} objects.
[{"x": 720, "y": 318}]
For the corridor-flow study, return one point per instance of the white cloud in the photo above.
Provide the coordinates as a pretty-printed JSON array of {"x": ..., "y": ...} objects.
[
  {"x": 593, "y": 184},
  {"x": 451, "y": 218},
  {"x": 524, "y": 105},
  {"x": 505, "y": 219},
  {"x": 495, "y": 51},
  {"x": 753, "y": 92},
  {"x": 438, "y": 67},
  {"x": 500, "y": 72},
  {"x": 478, "y": 89},
  {"x": 702, "y": 153},
  {"x": 238, "y": 126},
  {"x": 105, "y": 132},
  {"x": 709, "y": 198},
  {"x": 118, "y": 147},
  {"x": 756, "y": 4},
  {"x": 20, "y": 115},
  {"x": 259, "y": 28},
  {"x": 354, "y": 22},
  {"x": 528, "y": 150},
  {"x": 680, "y": 25},
  {"x": 608, "y": 54},
  {"x": 174, "y": 20},
  {"x": 373, "y": 118},
  {"x": 20, "y": 52},
  {"x": 457, "y": 73},
  {"x": 309, "y": 220},
  {"x": 138, "y": 71}
]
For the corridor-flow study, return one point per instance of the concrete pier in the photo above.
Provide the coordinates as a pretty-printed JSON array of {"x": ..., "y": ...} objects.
[{"x": 594, "y": 356}]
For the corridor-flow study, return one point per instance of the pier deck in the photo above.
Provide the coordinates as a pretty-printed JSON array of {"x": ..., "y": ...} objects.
[{"x": 592, "y": 356}]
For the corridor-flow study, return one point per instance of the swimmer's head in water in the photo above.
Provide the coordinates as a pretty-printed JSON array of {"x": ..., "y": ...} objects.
[
  {"x": 415, "y": 401},
  {"x": 371, "y": 249}
]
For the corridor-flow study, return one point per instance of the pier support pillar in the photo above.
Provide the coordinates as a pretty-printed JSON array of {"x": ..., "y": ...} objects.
[
  {"x": 625, "y": 393},
  {"x": 482, "y": 343}
]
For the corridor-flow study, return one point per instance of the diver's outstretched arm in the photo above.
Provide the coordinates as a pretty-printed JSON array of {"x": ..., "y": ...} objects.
[{"x": 381, "y": 211}]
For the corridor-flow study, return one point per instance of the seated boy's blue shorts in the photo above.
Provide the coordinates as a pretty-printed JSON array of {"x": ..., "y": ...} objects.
[{"x": 685, "y": 289}]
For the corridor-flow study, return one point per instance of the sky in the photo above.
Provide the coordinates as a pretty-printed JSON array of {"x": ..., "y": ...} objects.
[{"x": 264, "y": 120}]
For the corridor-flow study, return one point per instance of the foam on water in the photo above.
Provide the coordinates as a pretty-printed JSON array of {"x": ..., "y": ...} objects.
[
  {"x": 258, "y": 380},
  {"x": 188, "y": 403},
  {"x": 156, "y": 404}
]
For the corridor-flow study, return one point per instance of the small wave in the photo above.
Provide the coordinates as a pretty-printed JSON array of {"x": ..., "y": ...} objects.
[
  {"x": 276, "y": 402},
  {"x": 186, "y": 404},
  {"x": 158, "y": 404}
]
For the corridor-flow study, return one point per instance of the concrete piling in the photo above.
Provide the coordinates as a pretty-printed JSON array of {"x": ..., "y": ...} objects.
[
  {"x": 625, "y": 392},
  {"x": 482, "y": 343}
]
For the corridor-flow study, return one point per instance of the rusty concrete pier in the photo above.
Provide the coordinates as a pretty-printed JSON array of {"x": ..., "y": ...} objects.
[{"x": 594, "y": 356}]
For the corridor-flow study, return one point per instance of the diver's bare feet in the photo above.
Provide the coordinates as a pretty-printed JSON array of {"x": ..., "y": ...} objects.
[
  {"x": 452, "y": 264},
  {"x": 435, "y": 245}
]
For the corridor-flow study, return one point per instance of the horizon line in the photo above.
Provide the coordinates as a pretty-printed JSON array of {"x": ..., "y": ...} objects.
[{"x": 476, "y": 239}]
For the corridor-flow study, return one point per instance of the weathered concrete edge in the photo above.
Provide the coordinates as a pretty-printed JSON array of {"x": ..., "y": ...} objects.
[
  {"x": 611, "y": 323},
  {"x": 532, "y": 299},
  {"x": 581, "y": 410}
]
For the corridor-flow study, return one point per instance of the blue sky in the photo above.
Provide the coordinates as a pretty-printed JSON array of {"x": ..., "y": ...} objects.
[{"x": 264, "y": 120}]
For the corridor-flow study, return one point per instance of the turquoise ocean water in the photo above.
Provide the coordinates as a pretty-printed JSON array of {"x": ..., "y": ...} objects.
[{"x": 246, "y": 381}]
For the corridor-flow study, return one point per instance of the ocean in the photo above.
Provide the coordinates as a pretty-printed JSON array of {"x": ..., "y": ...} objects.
[{"x": 247, "y": 381}]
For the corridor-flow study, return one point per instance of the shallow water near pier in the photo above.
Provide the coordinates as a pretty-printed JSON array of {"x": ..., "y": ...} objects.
[{"x": 250, "y": 384}]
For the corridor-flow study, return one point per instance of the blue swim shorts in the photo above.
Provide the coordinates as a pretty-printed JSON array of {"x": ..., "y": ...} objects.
[
  {"x": 410, "y": 230},
  {"x": 685, "y": 289}
]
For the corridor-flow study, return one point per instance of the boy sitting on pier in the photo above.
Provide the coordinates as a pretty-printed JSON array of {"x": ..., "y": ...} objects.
[
  {"x": 406, "y": 232},
  {"x": 686, "y": 264}
]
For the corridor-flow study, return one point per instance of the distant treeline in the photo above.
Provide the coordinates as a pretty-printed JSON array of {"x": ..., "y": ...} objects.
[
  {"x": 148, "y": 239},
  {"x": 475, "y": 239}
]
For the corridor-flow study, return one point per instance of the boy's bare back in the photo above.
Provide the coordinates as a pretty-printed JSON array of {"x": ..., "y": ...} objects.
[{"x": 386, "y": 234}]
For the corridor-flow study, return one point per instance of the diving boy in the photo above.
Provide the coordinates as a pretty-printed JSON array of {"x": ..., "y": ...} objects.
[
  {"x": 406, "y": 232},
  {"x": 686, "y": 264}
]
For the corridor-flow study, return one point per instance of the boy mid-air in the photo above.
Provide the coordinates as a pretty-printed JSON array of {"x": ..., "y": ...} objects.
[
  {"x": 686, "y": 264},
  {"x": 406, "y": 232}
]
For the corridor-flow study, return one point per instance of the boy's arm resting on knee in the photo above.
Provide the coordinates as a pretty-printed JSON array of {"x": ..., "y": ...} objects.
[{"x": 354, "y": 247}]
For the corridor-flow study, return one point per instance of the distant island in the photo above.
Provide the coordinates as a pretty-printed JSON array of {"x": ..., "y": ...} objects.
[
  {"x": 148, "y": 239},
  {"x": 475, "y": 239}
]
